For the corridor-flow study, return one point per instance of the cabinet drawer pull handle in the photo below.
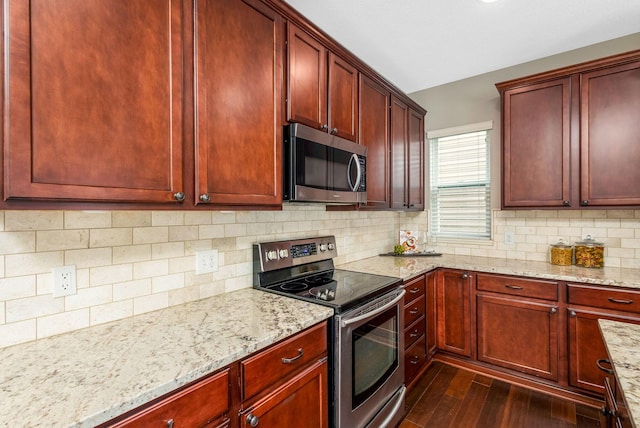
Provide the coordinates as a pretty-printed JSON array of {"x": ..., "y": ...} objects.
[
  {"x": 414, "y": 290},
  {"x": 291, "y": 360},
  {"x": 604, "y": 369},
  {"x": 513, "y": 287},
  {"x": 170, "y": 423},
  {"x": 414, "y": 360},
  {"x": 414, "y": 334},
  {"x": 414, "y": 311},
  {"x": 623, "y": 302}
]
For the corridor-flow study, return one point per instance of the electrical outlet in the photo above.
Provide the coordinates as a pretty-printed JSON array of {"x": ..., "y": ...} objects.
[
  {"x": 64, "y": 281},
  {"x": 509, "y": 238},
  {"x": 206, "y": 261}
]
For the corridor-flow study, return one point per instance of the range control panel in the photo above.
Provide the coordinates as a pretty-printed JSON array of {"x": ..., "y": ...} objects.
[{"x": 281, "y": 254}]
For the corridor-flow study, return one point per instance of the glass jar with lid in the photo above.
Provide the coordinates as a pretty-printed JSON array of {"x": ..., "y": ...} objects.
[
  {"x": 589, "y": 253},
  {"x": 561, "y": 254}
]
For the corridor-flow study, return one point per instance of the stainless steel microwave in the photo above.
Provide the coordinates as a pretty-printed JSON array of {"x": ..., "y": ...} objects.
[{"x": 321, "y": 167}]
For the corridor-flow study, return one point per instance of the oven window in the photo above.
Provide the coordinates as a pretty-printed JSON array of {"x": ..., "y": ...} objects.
[{"x": 375, "y": 354}]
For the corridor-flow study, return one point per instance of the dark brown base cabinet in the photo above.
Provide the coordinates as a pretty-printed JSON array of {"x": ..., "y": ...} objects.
[
  {"x": 565, "y": 130},
  {"x": 260, "y": 389},
  {"x": 454, "y": 311},
  {"x": 415, "y": 328}
]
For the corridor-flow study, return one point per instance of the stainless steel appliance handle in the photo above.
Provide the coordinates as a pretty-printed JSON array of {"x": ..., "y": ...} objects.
[
  {"x": 375, "y": 311},
  {"x": 395, "y": 409},
  {"x": 354, "y": 157}
]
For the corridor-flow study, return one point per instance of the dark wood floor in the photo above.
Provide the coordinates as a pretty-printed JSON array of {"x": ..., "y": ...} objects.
[{"x": 448, "y": 397}]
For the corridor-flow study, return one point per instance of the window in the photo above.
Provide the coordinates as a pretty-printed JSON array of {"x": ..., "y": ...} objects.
[{"x": 460, "y": 182}]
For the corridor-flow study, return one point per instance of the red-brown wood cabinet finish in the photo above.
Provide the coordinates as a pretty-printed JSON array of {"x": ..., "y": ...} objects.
[
  {"x": 239, "y": 90},
  {"x": 374, "y": 134},
  {"x": 90, "y": 115},
  {"x": 565, "y": 130},
  {"x": 414, "y": 327},
  {"x": 454, "y": 311},
  {"x": 322, "y": 87}
]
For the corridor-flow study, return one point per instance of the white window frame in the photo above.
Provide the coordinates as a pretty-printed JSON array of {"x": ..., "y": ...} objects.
[{"x": 481, "y": 184}]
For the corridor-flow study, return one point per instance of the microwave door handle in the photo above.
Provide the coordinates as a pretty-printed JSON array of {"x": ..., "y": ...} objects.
[
  {"x": 375, "y": 311},
  {"x": 354, "y": 159}
]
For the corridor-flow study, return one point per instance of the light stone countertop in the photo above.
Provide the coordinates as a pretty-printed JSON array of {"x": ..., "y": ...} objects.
[
  {"x": 407, "y": 267},
  {"x": 623, "y": 342},
  {"x": 89, "y": 376}
]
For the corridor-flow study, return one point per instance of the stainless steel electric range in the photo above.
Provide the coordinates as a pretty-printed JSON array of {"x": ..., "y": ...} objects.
[{"x": 365, "y": 335}]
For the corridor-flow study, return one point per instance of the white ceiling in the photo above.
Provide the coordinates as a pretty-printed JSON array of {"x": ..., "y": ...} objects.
[{"x": 418, "y": 44}]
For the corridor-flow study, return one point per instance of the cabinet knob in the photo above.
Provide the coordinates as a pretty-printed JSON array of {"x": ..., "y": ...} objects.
[
  {"x": 585, "y": 202},
  {"x": 566, "y": 203},
  {"x": 572, "y": 313},
  {"x": 553, "y": 310},
  {"x": 253, "y": 420},
  {"x": 324, "y": 127},
  {"x": 178, "y": 196},
  {"x": 334, "y": 131},
  {"x": 465, "y": 276},
  {"x": 205, "y": 198},
  {"x": 170, "y": 423}
]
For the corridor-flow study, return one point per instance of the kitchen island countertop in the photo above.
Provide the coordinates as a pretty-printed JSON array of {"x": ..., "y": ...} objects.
[
  {"x": 407, "y": 267},
  {"x": 89, "y": 376},
  {"x": 623, "y": 341}
]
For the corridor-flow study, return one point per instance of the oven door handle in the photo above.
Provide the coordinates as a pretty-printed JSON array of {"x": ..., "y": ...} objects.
[{"x": 374, "y": 312}]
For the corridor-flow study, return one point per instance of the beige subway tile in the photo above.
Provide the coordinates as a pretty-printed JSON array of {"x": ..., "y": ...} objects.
[
  {"x": 62, "y": 323},
  {"x": 53, "y": 240},
  {"x": 167, "y": 250},
  {"x": 582, "y": 223},
  {"x": 132, "y": 254},
  {"x": 112, "y": 237},
  {"x": 18, "y": 332},
  {"x": 197, "y": 217},
  {"x": 89, "y": 258},
  {"x": 612, "y": 262},
  {"x": 150, "y": 303},
  {"x": 18, "y": 287},
  {"x": 224, "y": 244},
  {"x": 593, "y": 214},
  {"x": 44, "y": 283},
  {"x": 238, "y": 256},
  {"x": 183, "y": 233},
  {"x": 131, "y": 218},
  {"x": 223, "y": 217},
  {"x": 247, "y": 267},
  {"x": 150, "y": 235},
  {"x": 630, "y": 243},
  {"x": 167, "y": 218},
  {"x": 211, "y": 288},
  {"x": 265, "y": 216},
  {"x": 2, "y": 316},
  {"x": 33, "y": 263},
  {"x": 2, "y": 266},
  {"x": 17, "y": 242},
  {"x": 167, "y": 282},
  {"x": 150, "y": 269},
  {"x": 83, "y": 278},
  {"x": 131, "y": 289},
  {"x": 1, "y": 220},
  {"x": 111, "y": 312},
  {"x": 620, "y": 214},
  {"x": 110, "y": 274},
  {"x": 190, "y": 247},
  {"x": 607, "y": 223},
  {"x": 246, "y": 217},
  {"x": 238, "y": 283},
  {"x": 88, "y": 297},
  {"x": 33, "y": 220},
  {"x": 181, "y": 264},
  {"x": 211, "y": 231},
  {"x": 184, "y": 295},
  {"x": 630, "y": 263},
  {"x": 33, "y": 307},
  {"x": 86, "y": 219}
]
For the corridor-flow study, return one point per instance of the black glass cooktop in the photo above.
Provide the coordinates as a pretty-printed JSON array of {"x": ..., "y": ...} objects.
[{"x": 340, "y": 289}]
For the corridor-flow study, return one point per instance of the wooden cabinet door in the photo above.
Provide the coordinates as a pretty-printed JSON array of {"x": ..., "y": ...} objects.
[
  {"x": 343, "y": 98},
  {"x": 520, "y": 335},
  {"x": 374, "y": 134},
  {"x": 94, "y": 97},
  {"x": 301, "y": 402},
  {"x": 586, "y": 347},
  {"x": 610, "y": 146},
  {"x": 454, "y": 311},
  {"x": 536, "y": 145},
  {"x": 415, "y": 161},
  {"x": 399, "y": 153},
  {"x": 238, "y": 91},
  {"x": 307, "y": 79}
]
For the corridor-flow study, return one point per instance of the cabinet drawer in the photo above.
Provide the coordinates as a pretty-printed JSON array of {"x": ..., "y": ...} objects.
[
  {"x": 414, "y": 358},
  {"x": 280, "y": 361},
  {"x": 607, "y": 298},
  {"x": 415, "y": 289},
  {"x": 414, "y": 310},
  {"x": 413, "y": 332},
  {"x": 537, "y": 289},
  {"x": 196, "y": 405}
]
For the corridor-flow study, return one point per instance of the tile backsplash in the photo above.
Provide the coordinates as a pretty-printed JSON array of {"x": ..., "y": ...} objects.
[{"x": 131, "y": 262}]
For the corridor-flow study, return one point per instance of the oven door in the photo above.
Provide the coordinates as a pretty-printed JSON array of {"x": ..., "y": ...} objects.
[{"x": 369, "y": 365}]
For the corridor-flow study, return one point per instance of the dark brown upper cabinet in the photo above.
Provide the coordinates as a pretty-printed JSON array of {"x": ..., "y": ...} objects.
[
  {"x": 570, "y": 136},
  {"x": 322, "y": 87},
  {"x": 94, "y": 94},
  {"x": 407, "y": 157},
  {"x": 239, "y": 93}
]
